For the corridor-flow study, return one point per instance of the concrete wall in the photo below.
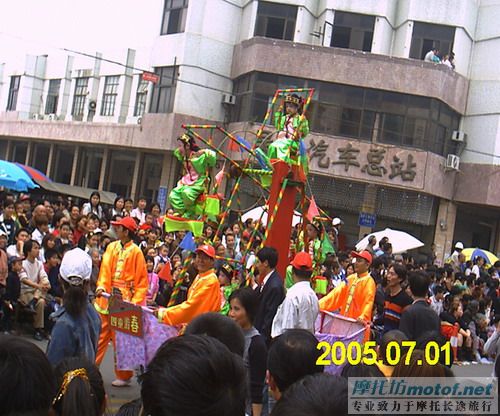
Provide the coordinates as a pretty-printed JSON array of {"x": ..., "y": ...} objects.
[
  {"x": 336, "y": 65},
  {"x": 382, "y": 36},
  {"x": 482, "y": 121}
]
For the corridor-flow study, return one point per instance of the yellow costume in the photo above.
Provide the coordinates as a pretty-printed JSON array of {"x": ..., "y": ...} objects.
[{"x": 203, "y": 296}]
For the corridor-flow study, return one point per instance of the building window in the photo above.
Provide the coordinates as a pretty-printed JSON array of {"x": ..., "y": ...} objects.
[
  {"x": 149, "y": 175},
  {"x": 174, "y": 16},
  {"x": 13, "y": 92},
  {"x": 353, "y": 31},
  {"x": 141, "y": 97},
  {"x": 53, "y": 96},
  {"x": 89, "y": 167},
  {"x": 360, "y": 113},
  {"x": 109, "y": 96},
  {"x": 19, "y": 152},
  {"x": 81, "y": 91},
  {"x": 427, "y": 36},
  {"x": 121, "y": 172},
  {"x": 63, "y": 164},
  {"x": 162, "y": 101},
  {"x": 275, "y": 20},
  {"x": 41, "y": 154}
]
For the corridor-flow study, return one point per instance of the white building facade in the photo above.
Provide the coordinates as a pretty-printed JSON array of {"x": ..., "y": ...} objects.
[{"x": 91, "y": 122}]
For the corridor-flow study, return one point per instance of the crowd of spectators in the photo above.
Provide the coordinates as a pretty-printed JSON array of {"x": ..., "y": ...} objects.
[{"x": 256, "y": 357}]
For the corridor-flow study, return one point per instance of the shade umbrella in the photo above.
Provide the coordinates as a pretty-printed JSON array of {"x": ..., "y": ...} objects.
[
  {"x": 34, "y": 174},
  {"x": 472, "y": 253},
  {"x": 256, "y": 213},
  {"x": 401, "y": 241},
  {"x": 14, "y": 178}
]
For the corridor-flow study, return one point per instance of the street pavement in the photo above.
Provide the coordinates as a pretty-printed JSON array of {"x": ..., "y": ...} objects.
[{"x": 119, "y": 396}]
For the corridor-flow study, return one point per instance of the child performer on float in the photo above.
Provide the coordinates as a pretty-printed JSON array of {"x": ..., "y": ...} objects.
[
  {"x": 196, "y": 163},
  {"x": 292, "y": 129}
]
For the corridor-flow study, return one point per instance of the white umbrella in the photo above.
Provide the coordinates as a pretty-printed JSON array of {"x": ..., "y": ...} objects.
[
  {"x": 255, "y": 214},
  {"x": 400, "y": 240}
]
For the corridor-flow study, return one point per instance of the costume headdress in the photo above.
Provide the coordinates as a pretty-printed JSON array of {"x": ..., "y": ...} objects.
[{"x": 69, "y": 376}]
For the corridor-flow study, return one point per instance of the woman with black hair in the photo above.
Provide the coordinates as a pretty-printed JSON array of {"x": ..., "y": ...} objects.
[
  {"x": 243, "y": 307},
  {"x": 81, "y": 389},
  {"x": 94, "y": 205},
  {"x": 77, "y": 327},
  {"x": 118, "y": 207},
  {"x": 155, "y": 211}
]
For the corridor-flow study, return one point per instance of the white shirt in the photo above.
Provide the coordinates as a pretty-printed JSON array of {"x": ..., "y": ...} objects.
[
  {"x": 266, "y": 279},
  {"x": 37, "y": 235},
  {"x": 12, "y": 251},
  {"x": 33, "y": 272},
  {"x": 140, "y": 215},
  {"x": 436, "y": 305},
  {"x": 299, "y": 310},
  {"x": 476, "y": 270},
  {"x": 428, "y": 56}
]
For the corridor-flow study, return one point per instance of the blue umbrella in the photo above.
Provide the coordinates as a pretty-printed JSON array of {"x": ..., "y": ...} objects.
[{"x": 14, "y": 178}]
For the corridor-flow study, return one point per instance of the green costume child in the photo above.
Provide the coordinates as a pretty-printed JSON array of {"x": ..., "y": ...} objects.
[
  {"x": 196, "y": 163},
  {"x": 292, "y": 130},
  {"x": 227, "y": 286},
  {"x": 318, "y": 250}
]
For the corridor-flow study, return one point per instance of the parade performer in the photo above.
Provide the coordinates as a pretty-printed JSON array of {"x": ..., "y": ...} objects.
[
  {"x": 318, "y": 248},
  {"x": 292, "y": 129},
  {"x": 123, "y": 267},
  {"x": 355, "y": 298},
  {"x": 196, "y": 163},
  {"x": 228, "y": 284},
  {"x": 203, "y": 295}
]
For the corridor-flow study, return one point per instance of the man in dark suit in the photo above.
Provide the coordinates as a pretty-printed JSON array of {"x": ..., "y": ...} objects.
[
  {"x": 271, "y": 291},
  {"x": 419, "y": 317}
]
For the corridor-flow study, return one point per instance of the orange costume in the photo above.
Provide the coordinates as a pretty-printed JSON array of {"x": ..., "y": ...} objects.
[
  {"x": 203, "y": 296},
  {"x": 124, "y": 268},
  {"x": 353, "y": 300}
]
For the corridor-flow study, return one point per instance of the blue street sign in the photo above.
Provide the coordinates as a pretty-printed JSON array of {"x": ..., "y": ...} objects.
[
  {"x": 162, "y": 198},
  {"x": 367, "y": 219}
]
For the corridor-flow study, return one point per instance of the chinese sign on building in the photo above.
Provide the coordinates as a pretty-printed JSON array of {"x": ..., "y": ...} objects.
[{"x": 361, "y": 160}]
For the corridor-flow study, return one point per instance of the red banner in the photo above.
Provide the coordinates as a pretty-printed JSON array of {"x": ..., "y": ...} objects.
[
  {"x": 125, "y": 317},
  {"x": 149, "y": 76}
]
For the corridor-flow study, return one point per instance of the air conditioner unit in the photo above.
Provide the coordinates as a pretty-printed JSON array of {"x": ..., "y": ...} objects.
[
  {"x": 37, "y": 116},
  {"x": 228, "y": 99},
  {"x": 452, "y": 162},
  {"x": 52, "y": 117},
  {"x": 458, "y": 136}
]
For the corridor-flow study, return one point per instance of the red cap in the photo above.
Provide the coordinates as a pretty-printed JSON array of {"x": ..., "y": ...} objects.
[
  {"x": 126, "y": 222},
  {"x": 302, "y": 261},
  {"x": 145, "y": 227},
  {"x": 363, "y": 255},
  {"x": 208, "y": 250}
]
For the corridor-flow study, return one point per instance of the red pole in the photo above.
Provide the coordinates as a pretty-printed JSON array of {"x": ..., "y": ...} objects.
[{"x": 281, "y": 228}]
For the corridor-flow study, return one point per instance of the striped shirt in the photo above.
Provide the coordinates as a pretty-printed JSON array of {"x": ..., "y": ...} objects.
[{"x": 393, "y": 308}]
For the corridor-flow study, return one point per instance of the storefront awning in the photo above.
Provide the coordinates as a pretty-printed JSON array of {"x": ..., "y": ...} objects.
[{"x": 77, "y": 191}]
